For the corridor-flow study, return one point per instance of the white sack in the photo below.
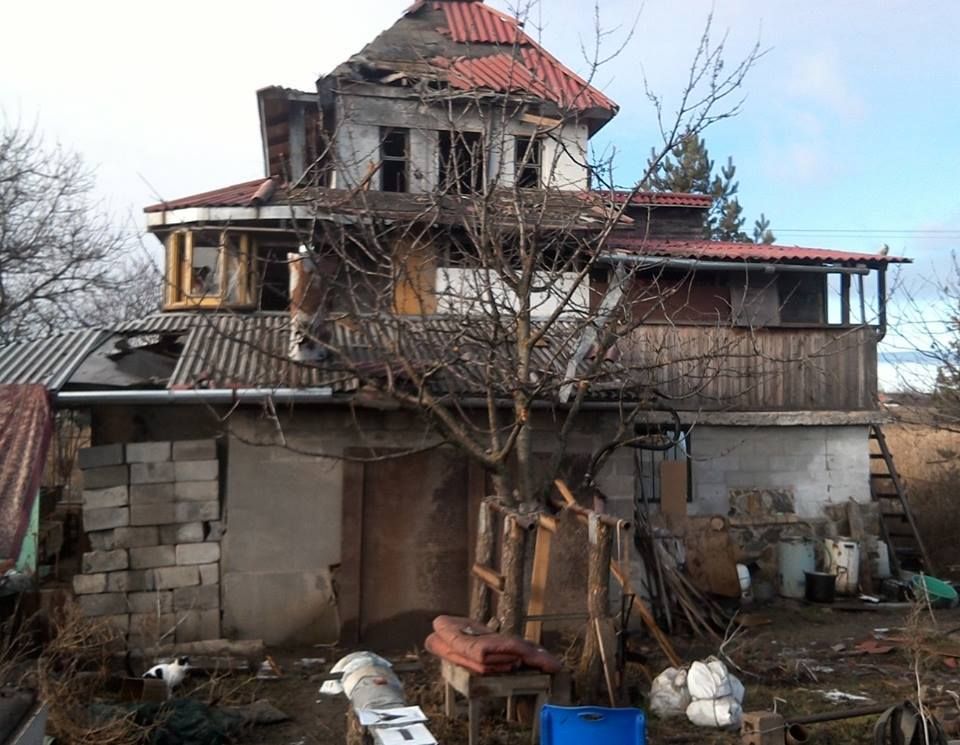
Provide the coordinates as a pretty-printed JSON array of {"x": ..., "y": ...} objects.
[
  {"x": 717, "y": 713},
  {"x": 668, "y": 694},
  {"x": 347, "y": 665}
]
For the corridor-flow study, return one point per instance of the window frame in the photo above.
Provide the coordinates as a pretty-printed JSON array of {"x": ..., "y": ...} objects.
[
  {"x": 524, "y": 163},
  {"x": 179, "y": 271},
  {"x": 450, "y": 177},
  {"x": 385, "y": 133}
]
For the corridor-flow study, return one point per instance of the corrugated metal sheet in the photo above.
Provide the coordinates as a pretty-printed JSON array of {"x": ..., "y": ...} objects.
[
  {"x": 722, "y": 251},
  {"x": 473, "y": 22},
  {"x": 48, "y": 362},
  {"x": 26, "y": 423},
  {"x": 237, "y": 195},
  {"x": 659, "y": 198}
]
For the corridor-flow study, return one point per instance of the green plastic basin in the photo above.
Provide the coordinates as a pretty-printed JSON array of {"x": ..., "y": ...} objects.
[{"x": 941, "y": 594}]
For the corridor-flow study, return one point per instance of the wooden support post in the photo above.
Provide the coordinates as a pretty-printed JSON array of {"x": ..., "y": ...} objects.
[
  {"x": 882, "y": 300},
  {"x": 598, "y": 603},
  {"x": 538, "y": 579},
  {"x": 845, "y": 299},
  {"x": 480, "y": 600},
  {"x": 510, "y": 609}
]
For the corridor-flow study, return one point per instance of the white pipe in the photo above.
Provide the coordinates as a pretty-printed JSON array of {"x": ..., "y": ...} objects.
[{"x": 194, "y": 396}]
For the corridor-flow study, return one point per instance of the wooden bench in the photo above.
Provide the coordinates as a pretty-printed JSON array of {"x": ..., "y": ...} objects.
[{"x": 476, "y": 688}]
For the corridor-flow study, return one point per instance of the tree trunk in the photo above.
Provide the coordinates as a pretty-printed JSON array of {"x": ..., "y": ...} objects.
[
  {"x": 511, "y": 601},
  {"x": 598, "y": 605},
  {"x": 480, "y": 599}
]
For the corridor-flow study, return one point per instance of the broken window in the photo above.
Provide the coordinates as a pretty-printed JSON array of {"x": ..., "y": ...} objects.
[
  {"x": 273, "y": 276},
  {"x": 208, "y": 268},
  {"x": 527, "y": 162},
  {"x": 662, "y": 463},
  {"x": 803, "y": 298},
  {"x": 394, "y": 158},
  {"x": 461, "y": 162}
]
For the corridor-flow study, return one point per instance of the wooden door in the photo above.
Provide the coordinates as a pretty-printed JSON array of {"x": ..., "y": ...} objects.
[{"x": 414, "y": 546}]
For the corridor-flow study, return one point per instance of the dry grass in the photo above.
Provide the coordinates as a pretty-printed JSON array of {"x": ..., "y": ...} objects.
[{"x": 929, "y": 460}]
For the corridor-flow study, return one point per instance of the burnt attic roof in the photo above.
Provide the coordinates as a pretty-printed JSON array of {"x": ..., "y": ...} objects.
[{"x": 471, "y": 46}]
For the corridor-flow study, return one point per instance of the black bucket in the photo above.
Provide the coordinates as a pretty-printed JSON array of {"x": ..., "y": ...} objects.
[{"x": 820, "y": 587}]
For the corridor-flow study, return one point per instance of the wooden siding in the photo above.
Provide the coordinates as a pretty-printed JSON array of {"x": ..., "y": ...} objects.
[{"x": 770, "y": 369}]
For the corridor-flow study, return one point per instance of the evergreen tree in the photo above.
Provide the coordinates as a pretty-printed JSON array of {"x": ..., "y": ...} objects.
[{"x": 688, "y": 168}]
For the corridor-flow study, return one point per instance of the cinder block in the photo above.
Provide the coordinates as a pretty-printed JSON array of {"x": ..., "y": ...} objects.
[
  {"x": 150, "y": 493},
  {"x": 185, "y": 533},
  {"x": 198, "y": 553},
  {"x": 197, "y": 491},
  {"x": 198, "y": 626},
  {"x": 215, "y": 530},
  {"x": 135, "y": 537},
  {"x": 204, "y": 597},
  {"x": 154, "y": 514},
  {"x": 160, "y": 601},
  {"x": 105, "y": 561},
  {"x": 120, "y": 623},
  {"x": 133, "y": 580},
  {"x": 195, "y": 450},
  {"x": 191, "y": 512},
  {"x": 101, "y": 540},
  {"x": 151, "y": 473},
  {"x": 209, "y": 574},
  {"x": 147, "y": 628},
  {"x": 101, "y": 455},
  {"x": 169, "y": 578},
  {"x": 105, "y": 604},
  {"x": 197, "y": 470},
  {"x": 150, "y": 557},
  {"x": 98, "y": 499},
  {"x": 111, "y": 517},
  {"x": 89, "y": 584},
  {"x": 147, "y": 452},
  {"x": 104, "y": 478}
]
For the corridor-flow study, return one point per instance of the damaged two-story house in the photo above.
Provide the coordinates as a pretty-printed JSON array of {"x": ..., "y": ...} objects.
[{"x": 424, "y": 299}]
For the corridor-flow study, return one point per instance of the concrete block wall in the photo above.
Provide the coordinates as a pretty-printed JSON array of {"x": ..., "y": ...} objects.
[
  {"x": 818, "y": 465},
  {"x": 151, "y": 511}
]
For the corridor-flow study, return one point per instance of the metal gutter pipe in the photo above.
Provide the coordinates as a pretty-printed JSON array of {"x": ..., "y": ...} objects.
[
  {"x": 728, "y": 266},
  {"x": 194, "y": 396}
]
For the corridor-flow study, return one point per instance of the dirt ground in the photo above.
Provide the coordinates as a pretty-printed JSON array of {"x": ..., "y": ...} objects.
[{"x": 795, "y": 655}]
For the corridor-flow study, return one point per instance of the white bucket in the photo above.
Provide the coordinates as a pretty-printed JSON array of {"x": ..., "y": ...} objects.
[
  {"x": 795, "y": 557},
  {"x": 743, "y": 573},
  {"x": 843, "y": 560},
  {"x": 882, "y": 568}
]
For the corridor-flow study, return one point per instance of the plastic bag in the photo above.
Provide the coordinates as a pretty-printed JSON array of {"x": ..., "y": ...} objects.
[
  {"x": 348, "y": 664},
  {"x": 668, "y": 694},
  {"x": 718, "y": 712}
]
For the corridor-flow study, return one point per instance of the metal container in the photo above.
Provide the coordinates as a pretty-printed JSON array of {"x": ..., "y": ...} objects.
[
  {"x": 843, "y": 560},
  {"x": 795, "y": 557}
]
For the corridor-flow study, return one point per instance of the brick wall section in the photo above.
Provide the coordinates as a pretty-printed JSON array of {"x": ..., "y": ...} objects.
[{"x": 152, "y": 513}]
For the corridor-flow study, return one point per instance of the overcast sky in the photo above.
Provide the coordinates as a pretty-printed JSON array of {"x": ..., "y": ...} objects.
[{"x": 847, "y": 139}]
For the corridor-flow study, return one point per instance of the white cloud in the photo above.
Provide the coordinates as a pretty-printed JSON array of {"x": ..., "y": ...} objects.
[{"x": 817, "y": 77}]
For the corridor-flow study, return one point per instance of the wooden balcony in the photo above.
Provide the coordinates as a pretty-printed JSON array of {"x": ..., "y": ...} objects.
[{"x": 765, "y": 369}]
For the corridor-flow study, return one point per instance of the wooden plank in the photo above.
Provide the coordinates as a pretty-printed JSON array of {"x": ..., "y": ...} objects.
[
  {"x": 483, "y": 555},
  {"x": 538, "y": 584},
  {"x": 673, "y": 491},
  {"x": 494, "y": 580},
  {"x": 711, "y": 562},
  {"x": 510, "y": 605},
  {"x": 607, "y": 642}
]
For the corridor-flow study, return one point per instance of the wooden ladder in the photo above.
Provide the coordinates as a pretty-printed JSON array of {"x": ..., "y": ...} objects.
[{"x": 897, "y": 525}]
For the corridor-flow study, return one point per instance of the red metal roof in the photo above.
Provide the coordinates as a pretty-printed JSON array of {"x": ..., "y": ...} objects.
[
  {"x": 659, "y": 198},
  {"x": 526, "y": 67},
  {"x": 722, "y": 251},
  {"x": 472, "y": 22},
  {"x": 247, "y": 194}
]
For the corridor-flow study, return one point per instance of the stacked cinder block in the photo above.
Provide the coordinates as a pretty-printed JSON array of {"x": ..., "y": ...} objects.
[{"x": 152, "y": 513}]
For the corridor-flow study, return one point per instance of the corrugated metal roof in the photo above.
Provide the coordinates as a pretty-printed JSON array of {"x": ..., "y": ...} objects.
[
  {"x": 659, "y": 198},
  {"x": 246, "y": 194},
  {"x": 48, "y": 362},
  {"x": 723, "y": 251},
  {"x": 26, "y": 424}
]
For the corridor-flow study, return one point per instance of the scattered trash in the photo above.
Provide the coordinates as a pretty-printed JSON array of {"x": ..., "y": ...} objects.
[
  {"x": 346, "y": 665},
  {"x": 712, "y": 695},
  {"x": 838, "y": 697},
  {"x": 872, "y": 646},
  {"x": 269, "y": 670},
  {"x": 401, "y": 715},
  {"x": 310, "y": 664},
  {"x": 838, "y": 648}
]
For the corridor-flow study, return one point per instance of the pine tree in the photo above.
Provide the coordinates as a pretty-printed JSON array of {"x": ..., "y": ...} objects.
[{"x": 688, "y": 168}]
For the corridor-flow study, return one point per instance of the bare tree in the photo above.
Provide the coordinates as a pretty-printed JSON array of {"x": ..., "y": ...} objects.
[{"x": 63, "y": 259}]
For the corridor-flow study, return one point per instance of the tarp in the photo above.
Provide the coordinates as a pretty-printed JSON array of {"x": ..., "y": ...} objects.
[{"x": 26, "y": 425}]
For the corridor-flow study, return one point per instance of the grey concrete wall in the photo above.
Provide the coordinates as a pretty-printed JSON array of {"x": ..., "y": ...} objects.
[{"x": 818, "y": 465}]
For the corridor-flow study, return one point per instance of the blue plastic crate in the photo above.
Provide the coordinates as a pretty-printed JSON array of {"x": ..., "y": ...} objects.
[{"x": 582, "y": 725}]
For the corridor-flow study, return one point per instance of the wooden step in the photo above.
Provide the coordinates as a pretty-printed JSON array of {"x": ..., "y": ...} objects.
[
  {"x": 876, "y": 456},
  {"x": 881, "y": 475}
]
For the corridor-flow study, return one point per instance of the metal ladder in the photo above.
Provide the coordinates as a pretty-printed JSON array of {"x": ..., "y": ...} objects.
[{"x": 897, "y": 525}]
